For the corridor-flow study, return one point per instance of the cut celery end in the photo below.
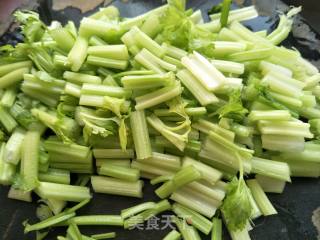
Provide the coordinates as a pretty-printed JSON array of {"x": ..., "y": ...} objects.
[
  {"x": 19, "y": 194},
  {"x": 216, "y": 233},
  {"x": 260, "y": 197},
  {"x": 55, "y": 176},
  {"x": 308, "y": 154},
  {"x": 228, "y": 66},
  {"x": 126, "y": 213},
  {"x": 14, "y": 146},
  {"x": 272, "y": 115},
  {"x": 13, "y": 77},
  {"x": 282, "y": 143},
  {"x": 116, "y": 186},
  {"x": 78, "y": 53},
  {"x": 103, "y": 90},
  {"x": 117, "y": 52},
  {"x": 80, "y": 78},
  {"x": 150, "y": 171},
  {"x": 107, "y": 62},
  {"x": 270, "y": 184},
  {"x": 119, "y": 172}
]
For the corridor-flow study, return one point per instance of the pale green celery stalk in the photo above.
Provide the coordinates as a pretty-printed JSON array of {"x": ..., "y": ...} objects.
[
  {"x": 303, "y": 168},
  {"x": 103, "y": 90},
  {"x": 207, "y": 173},
  {"x": 8, "y": 122},
  {"x": 63, "y": 192},
  {"x": 13, "y": 146},
  {"x": 146, "y": 42},
  {"x": 104, "y": 72},
  {"x": 270, "y": 184},
  {"x": 151, "y": 26},
  {"x": 104, "y": 235},
  {"x": 128, "y": 212},
  {"x": 260, "y": 197},
  {"x": 73, "y": 232},
  {"x": 150, "y": 169},
  {"x": 140, "y": 134},
  {"x": 255, "y": 212},
  {"x": 271, "y": 115},
  {"x": 267, "y": 67},
  {"x": 203, "y": 188},
  {"x": 147, "y": 81},
  {"x": 290, "y": 102},
  {"x": 192, "y": 217},
  {"x": 8, "y": 68},
  {"x": 173, "y": 61},
  {"x": 195, "y": 111},
  {"x": 158, "y": 96},
  {"x": 72, "y": 89},
  {"x": 228, "y": 66},
  {"x": 107, "y": 62},
  {"x": 216, "y": 233},
  {"x": 63, "y": 38},
  {"x": 30, "y": 160},
  {"x": 204, "y": 96},
  {"x": 9, "y": 97},
  {"x": 119, "y": 162},
  {"x": 13, "y": 77},
  {"x": 204, "y": 71},
  {"x": 181, "y": 178},
  {"x": 148, "y": 63},
  {"x": 226, "y": 35},
  {"x": 96, "y": 220},
  {"x": 42, "y": 97},
  {"x": 172, "y": 235},
  {"x": 106, "y": 13},
  {"x": 270, "y": 168},
  {"x": 117, "y": 52},
  {"x": 282, "y": 143},
  {"x": 7, "y": 170},
  {"x": 232, "y": 84},
  {"x": 240, "y": 234},
  {"x": 113, "y": 153},
  {"x": 223, "y": 48},
  {"x": 18, "y": 194},
  {"x": 173, "y": 51},
  {"x": 205, "y": 126},
  {"x": 160, "y": 207},
  {"x": 262, "y": 33},
  {"x": 56, "y": 206},
  {"x": 196, "y": 17},
  {"x": 308, "y": 154},
  {"x": 78, "y": 53},
  {"x": 310, "y": 113},
  {"x": 124, "y": 173},
  {"x": 109, "y": 81},
  {"x": 96, "y": 41},
  {"x": 55, "y": 175},
  {"x": 74, "y": 167},
  {"x": 288, "y": 128},
  {"x": 149, "y": 56},
  {"x": 80, "y": 78},
  {"x": 161, "y": 160},
  {"x": 312, "y": 83},
  {"x": 244, "y": 11},
  {"x": 308, "y": 100},
  {"x": 132, "y": 72},
  {"x": 251, "y": 55},
  {"x": 161, "y": 179},
  {"x": 188, "y": 232},
  {"x": 73, "y": 153},
  {"x": 277, "y": 81}
]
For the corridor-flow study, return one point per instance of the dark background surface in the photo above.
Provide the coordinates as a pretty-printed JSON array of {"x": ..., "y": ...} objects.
[{"x": 295, "y": 205}]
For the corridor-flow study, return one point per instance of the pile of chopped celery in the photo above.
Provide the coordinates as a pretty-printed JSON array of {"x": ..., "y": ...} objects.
[{"x": 214, "y": 114}]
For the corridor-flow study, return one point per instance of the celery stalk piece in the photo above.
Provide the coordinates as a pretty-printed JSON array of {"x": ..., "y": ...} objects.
[
  {"x": 56, "y": 206},
  {"x": 63, "y": 38},
  {"x": 55, "y": 176},
  {"x": 240, "y": 234},
  {"x": 255, "y": 212},
  {"x": 107, "y": 62},
  {"x": 223, "y": 48},
  {"x": 119, "y": 162},
  {"x": 282, "y": 143},
  {"x": 126, "y": 213},
  {"x": 13, "y": 146},
  {"x": 97, "y": 220},
  {"x": 9, "y": 97},
  {"x": 267, "y": 67},
  {"x": 78, "y": 53},
  {"x": 251, "y": 55},
  {"x": 270, "y": 168},
  {"x": 228, "y": 66},
  {"x": 225, "y": 12},
  {"x": 18, "y": 194},
  {"x": 80, "y": 78},
  {"x": 193, "y": 218},
  {"x": 73, "y": 232},
  {"x": 8, "y": 68},
  {"x": 204, "y": 96},
  {"x": 160, "y": 207},
  {"x": 303, "y": 168},
  {"x": 72, "y": 89},
  {"x": 151, "y": 26},
  {"x": 117, "y": 52},
  {"x": 158, "y": 96},
  {"x": 104, "y": 235},
  {"x": 204, "y": 71},
  {"x": 206, "y": 189},
  {"x": 272, "y": 115},
  {"x": 181, "y": 178},
  {"x": 288, "y": 128},
  {"x": 117, "y": 186},
  {"x": 7, "y": 170},
  {"x": 147, "y": 55},
  {"x": 29, "y": 160},
  {"x": 151, "y": 169},
  {"x": 96, "y": 41},
  {"x": 308, "y": 154},
  {"x": 161, "y": 179},
  {"x": 8, "y": 122},
  {"x": 140, "y": 135},
  {"x": 13, "y": 77},
  {"x": 208, "y": 173},
  {"x": 173, "y": 51},
  {"x": 119, "y": 172},
  {"x": 196, "y": 111},
  {"x": 63, "y": 192},
  {"x": 113, "y": 153},
  {"x": 102, "y": 90},
  {"x": 147, "y": 81},
  {"x": 172, "y": 235},
  {"x": 270, "y": 184},
  {"x": 148, "y": 63},
  {"x": 188, "y": 232},
  {"x": 216, "y": 233},
  {"x": 261, "y": 198}
]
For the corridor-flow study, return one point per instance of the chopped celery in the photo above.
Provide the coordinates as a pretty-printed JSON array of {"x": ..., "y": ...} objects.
[
  {"x": 172, "y": 235},
  {"x": 270, "y": 184},
  {"x": 124, "y": 173}
]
